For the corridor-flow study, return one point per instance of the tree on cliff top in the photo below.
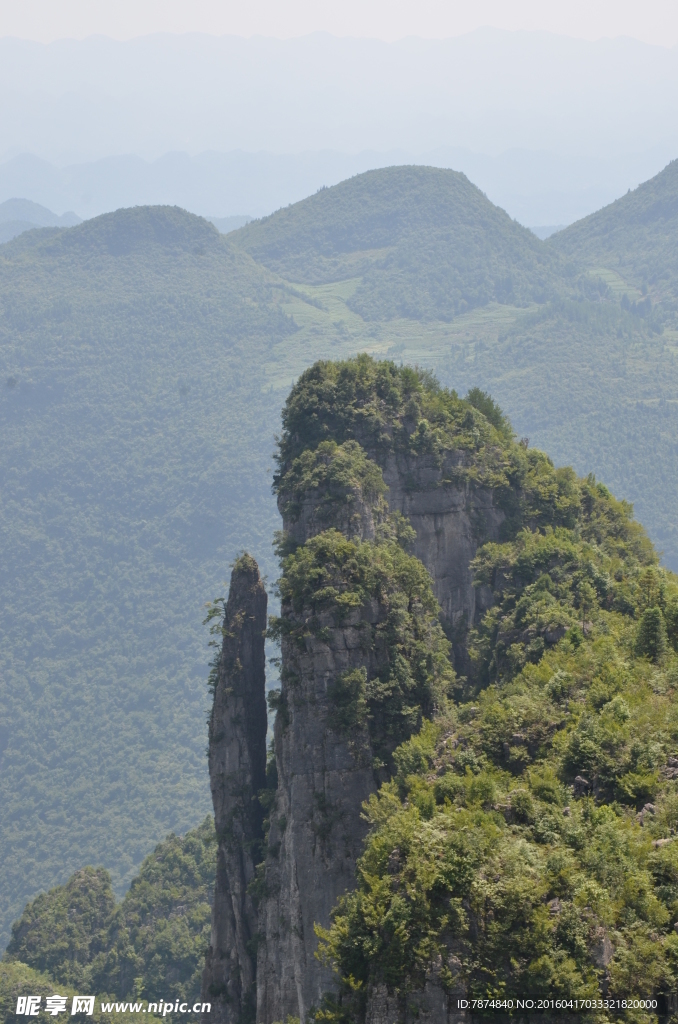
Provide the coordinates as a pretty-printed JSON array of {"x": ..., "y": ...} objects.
[{"x": 525, "y": 842}]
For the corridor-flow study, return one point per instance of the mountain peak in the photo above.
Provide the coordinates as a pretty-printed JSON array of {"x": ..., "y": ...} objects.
[
  {"x": 35, "y": 214},
  {"x": 632, "y": 242},
  {"x": 141, "y": 227},
  {"x": 392, "y": 226}
]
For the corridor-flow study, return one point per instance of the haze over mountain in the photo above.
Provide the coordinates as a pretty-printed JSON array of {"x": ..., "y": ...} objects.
[
  {"x": 18, "y": 215},
  {"x": 144, "y": 359},
  {"x": 285, "y": 117}
]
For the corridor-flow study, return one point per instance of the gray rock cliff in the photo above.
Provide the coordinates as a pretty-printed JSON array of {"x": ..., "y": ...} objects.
[
  {"x": 237, "y": 765},
  {"x": 451, "y": 518},
  {"x": 316, "y": 830},
  {"x": 451, "y": 521}
]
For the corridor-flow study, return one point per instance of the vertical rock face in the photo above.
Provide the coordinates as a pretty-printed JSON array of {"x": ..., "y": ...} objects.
[
  {"x": 444, "y": 464},
  {"x": 237, "y": 764},
  {"x": 327, "y": 766},
  {"x": 450, "y": 522},
  {"x": 358, "y": 460},
  {"x": 316, "y": 829}
]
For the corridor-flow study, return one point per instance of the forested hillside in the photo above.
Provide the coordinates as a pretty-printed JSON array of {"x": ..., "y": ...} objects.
[
  {"x": 633, "y": 244},
  {"x": 136, "y": 434},
  {"x": 149, "y": 946},
  {"x": 419, "y": 242},
  {"x": 143, "y": 363}
]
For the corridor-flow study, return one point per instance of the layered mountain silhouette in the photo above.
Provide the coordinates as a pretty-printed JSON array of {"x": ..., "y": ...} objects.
[
  {"x": 144, "y": 361},
  {"x": 19, "y": 215}
]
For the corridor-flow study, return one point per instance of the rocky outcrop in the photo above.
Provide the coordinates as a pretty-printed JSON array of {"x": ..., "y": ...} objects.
[
  {"x": 334, "y": 487},
  {"x": 325, "y": 770},
  {"x": 434, "y": 1005},
  {"x": 383, "y": 475},
  {"x": 316, "y": 829},
  {"x": 451, "y": 517},
  {"x": 451, "y": 521},
  {"x": 351, "y": 514},
  {"x": 237, "y": 764}
]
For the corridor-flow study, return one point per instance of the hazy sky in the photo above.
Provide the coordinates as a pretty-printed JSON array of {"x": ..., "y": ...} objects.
[{"x": 652, "y": 21}]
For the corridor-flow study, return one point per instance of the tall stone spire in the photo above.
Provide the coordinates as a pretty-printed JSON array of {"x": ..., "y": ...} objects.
[{"x": 237, "y": 765}]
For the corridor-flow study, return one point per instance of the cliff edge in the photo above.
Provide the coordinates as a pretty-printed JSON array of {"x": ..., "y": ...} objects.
[{"x": 457, "y": 628}]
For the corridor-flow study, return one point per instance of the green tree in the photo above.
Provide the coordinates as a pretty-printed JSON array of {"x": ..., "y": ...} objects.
[{"x": 651, "y": 634}]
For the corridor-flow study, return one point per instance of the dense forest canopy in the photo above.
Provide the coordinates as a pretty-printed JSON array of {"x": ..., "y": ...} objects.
[
  {"x": 149, "y": 945},
  {"x": 143, "y": 363},
  {"x": 632, "y": 242},
  {"x": 136, "y": 438}
]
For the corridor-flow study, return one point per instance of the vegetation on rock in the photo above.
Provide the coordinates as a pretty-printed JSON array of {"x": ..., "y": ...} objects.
[
  {"x": 387, "y": 408},
  {"x": 337, "y": 475},
  {"x": 329, "y": 577},
  {"x": 527, "y": 838}
]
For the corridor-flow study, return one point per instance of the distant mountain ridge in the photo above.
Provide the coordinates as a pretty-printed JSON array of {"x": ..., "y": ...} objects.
[
  {"x": 534, "y": 186},
  {"x": 144, "y": 358},
  {"x": 424, "y": 243},
  {"x": 545, "y": 231},
  {"x": 286, "y": 113},
  {"x": 636, "y": 240},
  {"x": 34, "y": 213},
  {"x": 138, "y": 231},
  {"x": 19, "y": 215},
  {"x": 227, "y": 224}
]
